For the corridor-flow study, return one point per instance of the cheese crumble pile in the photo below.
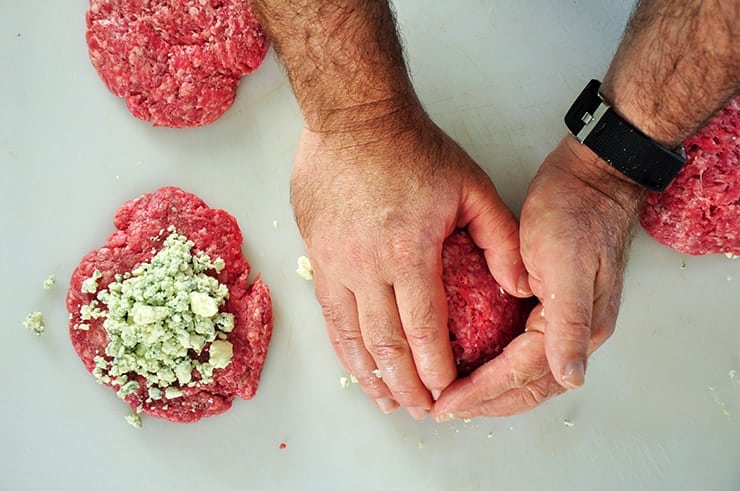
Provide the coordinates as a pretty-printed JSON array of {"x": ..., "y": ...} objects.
[{"x": 162, "y": 319}]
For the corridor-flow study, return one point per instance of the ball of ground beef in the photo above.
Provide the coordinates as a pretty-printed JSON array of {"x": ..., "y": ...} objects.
[{"x": 483, "y": 318}]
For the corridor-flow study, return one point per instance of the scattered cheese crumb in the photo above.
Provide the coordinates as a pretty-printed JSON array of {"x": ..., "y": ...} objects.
[
  {"x": 730, "y": 255},
  {"x": 729, "y": 277},
  {"x": 343, "y": 382},
  {"x": 134, "y": 420},
  {"x": 35, "y": 322},
  {"x": 275, "y": 224},
  {"x": 304, "y": 270},
  {"x": 50, "y": 281},
  {"x": 377, "y": 373},
  {"x": 467, "y": 420},
  {"x": 352, "y": 378},
  {"x": 490, "y": 434},
  {"x": 568, "y": 423},
  {"x": 732, "y": 374},
  {"x": 118, "y": 178},
  {"x": 420, "y": 444}
]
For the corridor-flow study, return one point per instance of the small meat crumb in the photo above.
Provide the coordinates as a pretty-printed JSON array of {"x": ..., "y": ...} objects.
[
  {"x": 304, "y": 270},
  {"x": 134, "y": 420},
  {"x": 568, "y": 423},
  {"x": 35, "y": 322},
  {"x": 283, "y": 446},
  {"x": 50, "y": 282}
]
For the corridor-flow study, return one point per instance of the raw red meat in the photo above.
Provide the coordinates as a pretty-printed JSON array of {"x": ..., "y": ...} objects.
[
  {"x": 215, "y": 232},
  {"x": 177, "y": 63},
  {"x": 483, "y": 318},
  {"x": 699, "y": 213}
]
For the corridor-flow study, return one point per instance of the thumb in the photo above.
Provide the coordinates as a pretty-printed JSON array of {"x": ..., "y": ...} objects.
[
  {"x": 495, "y": 230},
  {"x": 567, "y": 296}
]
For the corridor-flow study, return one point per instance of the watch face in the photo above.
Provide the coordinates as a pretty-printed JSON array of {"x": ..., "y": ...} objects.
[{"x": 582, "y": 110}]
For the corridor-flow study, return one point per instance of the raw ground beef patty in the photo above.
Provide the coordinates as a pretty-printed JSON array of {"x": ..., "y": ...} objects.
[
  {"x": 139, "y": 225},
  {"x": 483, "y": 318},
  {"x": 176, "y": 63},
  {"x": 699, "y": 213}
]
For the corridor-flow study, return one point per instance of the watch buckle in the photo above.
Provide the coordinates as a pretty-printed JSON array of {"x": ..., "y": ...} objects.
[{"x": 590, "y": 121}]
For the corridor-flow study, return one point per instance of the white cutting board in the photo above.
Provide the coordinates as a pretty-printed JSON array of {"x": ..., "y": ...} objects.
[{"x": 659, "y": 411}]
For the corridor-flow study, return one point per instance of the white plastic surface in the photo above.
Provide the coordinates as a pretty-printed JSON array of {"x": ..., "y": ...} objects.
[{"x": 660, "y": 409}]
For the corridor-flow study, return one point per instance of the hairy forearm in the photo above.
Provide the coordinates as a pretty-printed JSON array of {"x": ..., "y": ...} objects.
[
  {"x": 679, "y": 62},
  {"x": 343, "y": 58}
]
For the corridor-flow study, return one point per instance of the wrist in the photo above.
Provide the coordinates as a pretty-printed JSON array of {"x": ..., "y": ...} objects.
[
  {"x": 360, "y": 114},
  {"x": 598, "y": 174}
]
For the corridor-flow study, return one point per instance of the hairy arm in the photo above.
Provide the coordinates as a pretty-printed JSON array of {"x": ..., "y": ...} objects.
[
  {"x": 678, "y": 63},
  {"x": 343, "y": 58},
  {"x": 376, "y": 188}
]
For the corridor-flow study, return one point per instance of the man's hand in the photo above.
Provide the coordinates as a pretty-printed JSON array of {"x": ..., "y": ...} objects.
[
  {"x": 677, "y": 64},
  {"x": 575, "y": 228},
  {"x": 374, "y": 209}
]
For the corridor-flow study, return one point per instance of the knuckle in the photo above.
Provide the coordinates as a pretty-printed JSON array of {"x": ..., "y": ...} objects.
[
  {"x": 536, "y": 393},
  {"x": 573, "y": 330},
  {"x": 372, "y": 385},
  {"x": 387, "y": 350},
  {"x": 333, "y": 314},
  {"x": 425, "y": 335}
]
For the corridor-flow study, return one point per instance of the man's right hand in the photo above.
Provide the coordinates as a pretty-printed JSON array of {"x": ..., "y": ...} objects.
[{"x": 374, "y": 209}]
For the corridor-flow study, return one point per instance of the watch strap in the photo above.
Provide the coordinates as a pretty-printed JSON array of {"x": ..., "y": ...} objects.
[{"x": 594, "y": 123}]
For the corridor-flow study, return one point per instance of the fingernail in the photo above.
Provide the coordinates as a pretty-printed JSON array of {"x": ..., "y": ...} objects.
[
  {"x": 435, "y": 394},
  {"x": 522, "y": 286},
  {"x": 575, "y": 373},
  {"x": 418, "y": 412},
  {"x": 386, "y": 405}
]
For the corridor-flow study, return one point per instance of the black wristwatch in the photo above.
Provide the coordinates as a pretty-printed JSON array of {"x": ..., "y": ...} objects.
[{"x": 595, "y": 124}]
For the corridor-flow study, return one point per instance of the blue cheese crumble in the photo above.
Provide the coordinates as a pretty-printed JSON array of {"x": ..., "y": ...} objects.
[
  {"x": 305, "y": 270},
  {"x": 162, "y": 319},
  {"x": 90, "y": 285},
  {"x": 35, "y": 322},
  {"x": 134, "y": 420},
  {"x": 50, "y": 282}
]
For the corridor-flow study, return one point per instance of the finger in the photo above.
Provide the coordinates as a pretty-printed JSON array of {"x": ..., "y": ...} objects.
[
  {"x": 522, "y": 361},
  {"x": 340, "y": 313},
  {"x": 516, "y": 401},
  {"x": 385, "y": 340},
  {"x": 422, "y": 306},
  {"x": 536, "y": 319},
  {"x": 568, "y": 295},
  {"x": 494, "y": 229}
]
